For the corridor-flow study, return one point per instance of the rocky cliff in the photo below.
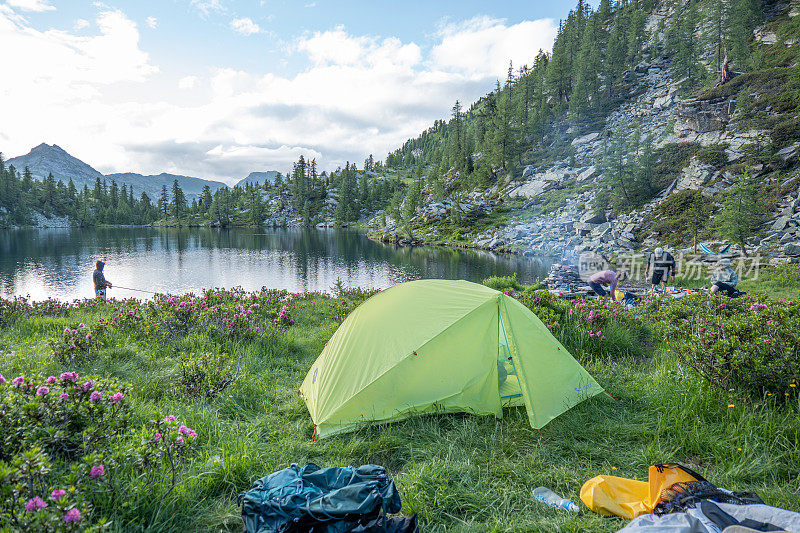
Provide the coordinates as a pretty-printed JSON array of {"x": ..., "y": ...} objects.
[{"x": 700, "y": 122}]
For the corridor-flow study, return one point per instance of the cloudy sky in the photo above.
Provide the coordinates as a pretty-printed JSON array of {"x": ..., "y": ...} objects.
[{"x": 220, "y": 88}]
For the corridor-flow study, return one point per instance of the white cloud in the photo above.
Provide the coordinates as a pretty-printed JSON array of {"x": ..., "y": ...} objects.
[
  {"x": 81, "y": 24},
  {"x": 483, "y": 46},
  {"x": 358, "y": 95},
  {"x": 152, "y": 22},
  {"x": 337, "y": 47},
  {"x": 208, "y": 6},
  {"x": 245, "y": 26},
  {"x": 31, "y": 5},
  {"x": 188, "y": 82}
]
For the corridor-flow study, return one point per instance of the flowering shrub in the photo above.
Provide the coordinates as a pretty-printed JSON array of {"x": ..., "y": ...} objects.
[
  {"x": 78, "y": 343},
  {"x": 67, "y": 415},
  {"x": 206, "y": 375},
  {"x": 35, "y": 496},
  {"x": 589, "y": 328},
  {"x": 29, "y": 500},
  {"x": 221, "y": 313},
  {"x": 737, "y": 343},
  {"x": 742, "y": 343},
  {"x": 164, "y": 454},
  {"x": 51, "y": 307},
  {"x": 12, "y": 309}
]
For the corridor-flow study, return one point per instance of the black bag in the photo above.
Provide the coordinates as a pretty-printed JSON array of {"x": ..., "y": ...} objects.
[{"x": 324, "y": 500}]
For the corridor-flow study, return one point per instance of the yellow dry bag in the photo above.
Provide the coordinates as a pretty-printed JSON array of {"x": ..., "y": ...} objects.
[{"x": 629, "y": 498}]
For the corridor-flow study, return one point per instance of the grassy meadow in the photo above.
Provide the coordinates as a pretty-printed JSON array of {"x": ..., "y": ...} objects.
[{"x": 457, "y": 472}]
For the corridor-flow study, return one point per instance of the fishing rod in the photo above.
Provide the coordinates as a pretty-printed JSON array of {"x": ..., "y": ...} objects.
[{"x": 132, "y": 289}]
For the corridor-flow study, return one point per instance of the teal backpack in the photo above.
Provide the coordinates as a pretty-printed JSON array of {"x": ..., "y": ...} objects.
[{"x": 323, "y": 500}]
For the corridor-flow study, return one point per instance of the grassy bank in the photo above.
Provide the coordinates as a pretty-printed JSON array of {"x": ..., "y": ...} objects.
[{"x": 458, "y": 472}]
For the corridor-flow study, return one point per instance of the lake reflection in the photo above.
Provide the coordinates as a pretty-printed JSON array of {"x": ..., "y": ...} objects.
[{"x": 58, "y": 263}]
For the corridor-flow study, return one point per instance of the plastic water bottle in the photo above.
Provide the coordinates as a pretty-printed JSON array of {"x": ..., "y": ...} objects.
[{"x": 547, "y": 496}]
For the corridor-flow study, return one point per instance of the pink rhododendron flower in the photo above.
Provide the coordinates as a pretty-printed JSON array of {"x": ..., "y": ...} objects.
[
  {"x": 69, "y": 376},
  {"x": 97, "y": 471},
  {"x": 95, "y": 396},
  {"x": 57, "y": 494},
  {"x": 187, "y": 431},
  {"x": 88, "y": 336},
  {"x": 169, "y": 418},
  {"x": 158, "y": 437},
  {"x": 35, "y": 504},
  {"x": 116, "y": 397},
  {"x": 19, "y": 380},
  {"x": 81, "y": 325},
  {"x": 64, "y": 397},
  {"x": 51, "y": 379},
  {"x": 42, "y": 391},
  {"x": 72, "y": 516},
  {"x": 2, "y": 379},
  {"x": 89, "y": 385},
  {"x": 179, "y": 441}
]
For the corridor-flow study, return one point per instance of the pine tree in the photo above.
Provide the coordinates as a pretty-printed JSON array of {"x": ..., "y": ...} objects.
[
  {"x": 413, "y": 199},
  {"x": 178, "y": 201},
  {"x": 744, "y": 16},
  {"x": 742, "y": 214},
  {"x": 588, "y": 68},
  {"x": 163, "y": 201},
  {"x": 204, "y": 204},
  {"x": 682, "y": 43}
]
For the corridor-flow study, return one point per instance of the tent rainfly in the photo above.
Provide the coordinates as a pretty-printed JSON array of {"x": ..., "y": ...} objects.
[{"x": 441, "y": 346}]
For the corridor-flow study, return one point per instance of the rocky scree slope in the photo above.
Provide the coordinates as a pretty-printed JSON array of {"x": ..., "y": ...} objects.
[{"x": 656, "y": 106}]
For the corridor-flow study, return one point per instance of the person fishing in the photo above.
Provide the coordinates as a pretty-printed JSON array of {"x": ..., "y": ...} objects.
[
  {"x": 662, "y": 264},
  {"x": 100, "y": 281}
]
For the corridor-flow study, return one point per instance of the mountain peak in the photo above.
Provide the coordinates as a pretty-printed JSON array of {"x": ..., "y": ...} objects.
[
  {"x": 46, "y": 158},
  {"x": 259, "y": 177}
]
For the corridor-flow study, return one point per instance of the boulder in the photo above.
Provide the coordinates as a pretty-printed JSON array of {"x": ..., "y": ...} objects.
[
  {"x": 780, "y": 223},
  {"x": 601, "y": 229},
  {"x": 583, "y": 228},
  {"x": 792, "y": 249},
  {"x": 625, "y": 243},
  {"x": 587, "y": 173},
  {"x": 592, "y": 218},
  {"x": 765, "y": 36},
  {"x": 585, "y": 138},
  {"x": 789, "y": 153},
  {"x": 664, "y": 101},
  {"x": 695, "y": 175},
  {"x": 531, "y": 188},
  {"x": 701, "y": 116}
]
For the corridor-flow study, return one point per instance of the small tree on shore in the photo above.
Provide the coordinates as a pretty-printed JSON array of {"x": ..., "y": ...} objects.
[{"x": 741, "y": 216}]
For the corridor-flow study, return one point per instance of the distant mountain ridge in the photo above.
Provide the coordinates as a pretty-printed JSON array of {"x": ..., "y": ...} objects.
[
  {"x": 259, "y": 177},
  {"x": 45, "y": 159},
  {"x": 192, "y": 187}
]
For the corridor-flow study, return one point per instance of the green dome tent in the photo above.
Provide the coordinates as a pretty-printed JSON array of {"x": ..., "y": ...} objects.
[{"x": 441, "y": 346}]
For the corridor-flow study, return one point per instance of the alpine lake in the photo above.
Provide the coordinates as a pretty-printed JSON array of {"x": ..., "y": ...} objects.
[{"x": 58, "y": 263}]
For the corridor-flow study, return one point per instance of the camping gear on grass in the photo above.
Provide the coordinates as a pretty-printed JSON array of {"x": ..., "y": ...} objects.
[
  {"x": 709, "y": 517},
  {"x": 441, "y": 346},
  {"x": 629, "y": 498},
  {"x": 670, "y": 488},
  {"x": 324, "y": 500},
  {"x": 548, "y": 497}
]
